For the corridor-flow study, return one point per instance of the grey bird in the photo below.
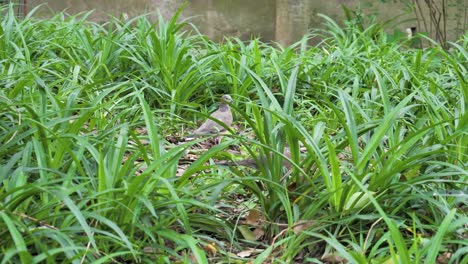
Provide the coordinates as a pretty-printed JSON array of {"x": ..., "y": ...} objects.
[{"x": 223, "y": 115}]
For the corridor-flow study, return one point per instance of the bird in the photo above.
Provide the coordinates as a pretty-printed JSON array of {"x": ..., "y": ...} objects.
[{"x": 223, "y": 115}]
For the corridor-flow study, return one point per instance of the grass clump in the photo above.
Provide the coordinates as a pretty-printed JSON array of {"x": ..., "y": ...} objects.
[{"x": 90, "y": 170}]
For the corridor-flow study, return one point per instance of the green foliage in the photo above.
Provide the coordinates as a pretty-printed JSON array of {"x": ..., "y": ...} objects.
[{"x": 377, "y": 135}]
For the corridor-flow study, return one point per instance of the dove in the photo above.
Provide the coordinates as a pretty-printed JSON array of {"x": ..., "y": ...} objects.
[{"x": 223, "y": 115}]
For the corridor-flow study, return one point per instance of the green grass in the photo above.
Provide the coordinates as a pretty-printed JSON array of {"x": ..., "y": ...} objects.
[{"x": 378, "y": 135}]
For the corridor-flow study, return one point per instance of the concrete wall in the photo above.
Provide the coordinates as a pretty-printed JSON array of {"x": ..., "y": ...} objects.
[{"x": 284, "y": 21}]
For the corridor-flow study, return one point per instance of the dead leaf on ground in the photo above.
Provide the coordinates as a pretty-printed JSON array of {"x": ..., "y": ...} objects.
[
  {"x": 210, "y": 249},
  {"x": 253, "y": 217},
  {"x": 444, "y": 258},
  {"x": 258, "y": 232},
  {"x": 248, "y": 252},
  {"x": 181, "y": 169},
  {"x": 332, "y": 258}
]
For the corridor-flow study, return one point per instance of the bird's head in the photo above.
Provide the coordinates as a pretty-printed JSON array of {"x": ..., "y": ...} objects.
[{"x": 226, "y": 98}]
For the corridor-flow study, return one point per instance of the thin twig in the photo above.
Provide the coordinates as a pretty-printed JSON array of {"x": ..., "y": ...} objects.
[
  {"x": 42, "y": 223},
  {"x": 368, "y": 235}
]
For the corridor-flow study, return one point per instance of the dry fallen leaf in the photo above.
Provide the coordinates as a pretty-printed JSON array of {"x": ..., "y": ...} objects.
[
  {"x": 444, "y": 258},
  {"x": 247, "y": 253},
  {"x": 332, "y": 258},
  {"x": 181, "y": 169},
  {"x": 252, "y": 217},
  {"x": 210, "y": 249},
  {"x": 258, "y": 232}
]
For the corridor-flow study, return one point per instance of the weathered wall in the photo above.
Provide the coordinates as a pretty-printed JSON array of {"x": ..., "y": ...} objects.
[{"x": 284, "y": 21}]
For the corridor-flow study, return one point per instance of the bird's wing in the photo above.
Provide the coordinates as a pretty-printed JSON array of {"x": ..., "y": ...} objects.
[
  {"x": 223, "y": 116},
  {"x": 210, "y": 126}
]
